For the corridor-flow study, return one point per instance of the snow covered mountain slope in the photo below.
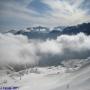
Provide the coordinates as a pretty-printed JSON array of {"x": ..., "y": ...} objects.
[{"x": 49, "y": 78}]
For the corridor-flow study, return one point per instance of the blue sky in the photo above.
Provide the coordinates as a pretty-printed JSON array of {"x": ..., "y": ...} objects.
[{"x": 19, "y": 14}]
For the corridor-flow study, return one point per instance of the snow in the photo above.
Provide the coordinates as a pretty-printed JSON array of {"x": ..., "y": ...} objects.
[{"x": 49, "y": 78}]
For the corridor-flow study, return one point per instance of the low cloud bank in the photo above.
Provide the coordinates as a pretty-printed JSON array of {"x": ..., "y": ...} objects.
[{"x": 18, "y": 49}]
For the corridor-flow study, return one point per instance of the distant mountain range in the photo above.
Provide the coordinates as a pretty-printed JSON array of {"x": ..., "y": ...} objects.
[
  {"x": 40, "y": 32},
  {"x": 85, "y": 28}
]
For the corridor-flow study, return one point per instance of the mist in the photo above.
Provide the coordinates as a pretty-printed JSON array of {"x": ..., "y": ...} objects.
[{"x": 18, "y": 49}]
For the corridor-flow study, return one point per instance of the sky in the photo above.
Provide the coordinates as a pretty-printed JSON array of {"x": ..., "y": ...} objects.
[{"x": 20, "y": 14}]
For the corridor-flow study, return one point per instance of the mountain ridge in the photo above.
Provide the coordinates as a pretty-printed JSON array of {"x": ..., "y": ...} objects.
[{"x": 41, "y": 32}]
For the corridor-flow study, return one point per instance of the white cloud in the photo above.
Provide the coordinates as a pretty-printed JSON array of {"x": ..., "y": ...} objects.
[
  {"x": 18, "y": 49},
  {"x": 67, "y": 12}
]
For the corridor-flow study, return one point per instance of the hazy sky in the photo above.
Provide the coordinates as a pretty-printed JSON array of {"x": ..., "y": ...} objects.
[{"x": 19, "y": 14}]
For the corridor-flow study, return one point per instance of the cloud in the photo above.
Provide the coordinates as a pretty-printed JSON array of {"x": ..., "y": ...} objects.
[
  {"x": 68, "y": 11},
  {"x": 18, "y": 49}
]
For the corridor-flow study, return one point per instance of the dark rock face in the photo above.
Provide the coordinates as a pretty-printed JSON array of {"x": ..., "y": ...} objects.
[{"x": 85, "y": 28}]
